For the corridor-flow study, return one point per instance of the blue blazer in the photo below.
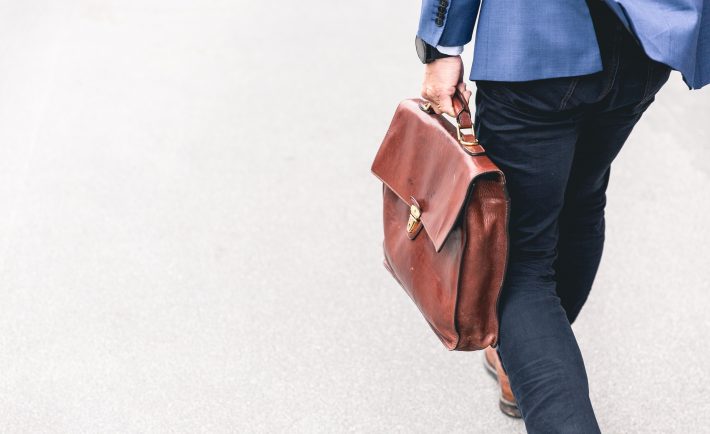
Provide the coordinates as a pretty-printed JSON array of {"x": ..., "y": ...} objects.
[{"x": 520, "y": 40}]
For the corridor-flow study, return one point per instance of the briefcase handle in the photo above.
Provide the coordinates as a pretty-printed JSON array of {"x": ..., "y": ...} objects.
[
  {"x": 464, "y": 123},
  {"x": 463, "y": 120}
]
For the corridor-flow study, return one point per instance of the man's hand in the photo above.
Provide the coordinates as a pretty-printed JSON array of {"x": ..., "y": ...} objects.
[{"x": 441, "y": 78}]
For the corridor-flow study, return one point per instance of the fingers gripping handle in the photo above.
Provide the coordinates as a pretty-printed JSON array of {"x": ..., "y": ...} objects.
[{"x": 464, "y": 123}]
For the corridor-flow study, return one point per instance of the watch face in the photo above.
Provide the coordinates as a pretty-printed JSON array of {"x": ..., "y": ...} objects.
[{"x": 421, "y": 49}]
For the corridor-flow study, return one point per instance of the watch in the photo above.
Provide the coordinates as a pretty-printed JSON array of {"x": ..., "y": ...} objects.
[{"x": 428, "y": 53}]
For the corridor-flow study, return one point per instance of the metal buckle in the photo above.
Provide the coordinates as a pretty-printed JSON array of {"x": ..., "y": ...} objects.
[{"x": 461, "y": 135}]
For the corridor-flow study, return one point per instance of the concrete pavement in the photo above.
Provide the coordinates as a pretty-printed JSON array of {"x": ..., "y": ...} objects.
[{"x": 190, "y": 235}]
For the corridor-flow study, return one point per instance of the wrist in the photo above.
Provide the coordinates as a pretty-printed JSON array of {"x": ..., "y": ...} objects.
[{"x": 448, "y": 61}]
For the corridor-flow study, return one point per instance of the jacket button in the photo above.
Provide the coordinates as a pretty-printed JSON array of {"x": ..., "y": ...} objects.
[
  {"x": 439, "y": 22},
  {"x": 442, "y": 9}
]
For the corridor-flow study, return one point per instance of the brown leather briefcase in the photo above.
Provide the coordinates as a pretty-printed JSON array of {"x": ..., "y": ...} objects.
[{"x": 445, "y": 222}]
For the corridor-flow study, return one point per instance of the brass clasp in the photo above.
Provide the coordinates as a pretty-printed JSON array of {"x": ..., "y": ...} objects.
[
  {"x": 414, "y": 224},
  {"x": 414, "y": 215}
]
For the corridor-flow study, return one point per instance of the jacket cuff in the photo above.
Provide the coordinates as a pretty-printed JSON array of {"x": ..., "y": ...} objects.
[{"x": 451, "y": 51}]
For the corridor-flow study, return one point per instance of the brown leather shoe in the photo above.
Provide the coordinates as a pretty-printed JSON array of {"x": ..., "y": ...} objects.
[{"x": 507, "y": 403}]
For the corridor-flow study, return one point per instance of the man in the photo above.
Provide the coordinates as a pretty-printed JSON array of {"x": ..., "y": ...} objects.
[{"x": 560, "y": 86}]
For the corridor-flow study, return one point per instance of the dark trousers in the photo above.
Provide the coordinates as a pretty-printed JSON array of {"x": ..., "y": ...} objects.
[{"x": 555, "y": 140}]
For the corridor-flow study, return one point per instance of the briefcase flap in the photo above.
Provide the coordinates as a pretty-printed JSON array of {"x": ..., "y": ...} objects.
[{"x": 421, "y": 157}]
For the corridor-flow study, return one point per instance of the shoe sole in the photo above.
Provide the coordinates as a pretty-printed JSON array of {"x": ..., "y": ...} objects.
[{"x": 508, "y": 408}]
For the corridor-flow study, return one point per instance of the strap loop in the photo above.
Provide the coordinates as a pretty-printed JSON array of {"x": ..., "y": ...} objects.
[{"x": 464, "y": 123}]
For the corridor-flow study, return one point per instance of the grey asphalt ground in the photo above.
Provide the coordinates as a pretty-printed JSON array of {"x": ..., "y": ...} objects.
[{"x": 190, "y": 234}]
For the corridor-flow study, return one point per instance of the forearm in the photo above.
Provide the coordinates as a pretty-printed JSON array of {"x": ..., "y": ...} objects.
[{"x": 445, "y": 26}]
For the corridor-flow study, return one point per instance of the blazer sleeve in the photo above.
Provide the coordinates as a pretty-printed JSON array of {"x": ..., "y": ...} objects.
[{"x": 447, "y": 23}]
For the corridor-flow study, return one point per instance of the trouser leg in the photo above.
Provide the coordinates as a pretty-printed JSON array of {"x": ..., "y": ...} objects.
[
  {"x": 581, "y": 243},
  {"x": 535, "y": 150},
  {"x": 557, "y": 166},
  {"x": 582, "y": 224},
  {"x": 628, "y": 86},
  {"x": 555, "y": 139}
]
